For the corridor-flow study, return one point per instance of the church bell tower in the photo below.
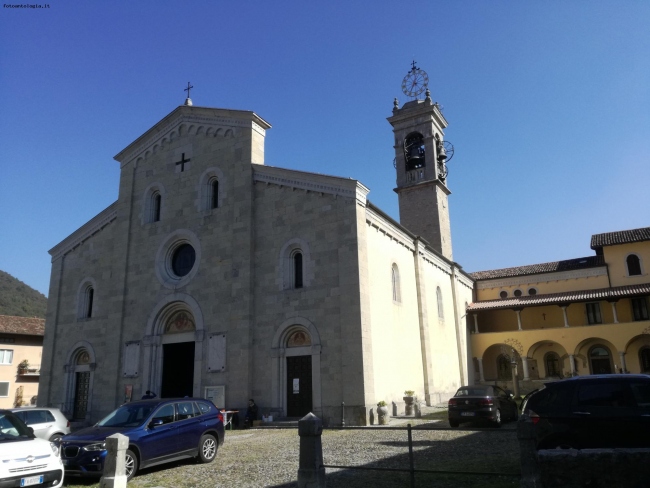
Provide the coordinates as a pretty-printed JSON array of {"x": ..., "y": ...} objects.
[{"x": 421, "y": 156}]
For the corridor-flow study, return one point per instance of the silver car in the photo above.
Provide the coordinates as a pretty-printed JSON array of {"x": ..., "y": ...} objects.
[{"x": 48, "y": 423}]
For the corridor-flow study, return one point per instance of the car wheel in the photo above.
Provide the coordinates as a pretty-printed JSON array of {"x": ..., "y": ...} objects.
[
  {"x": 453, "y": 423},
  {"x": 55, "y": 438},
  {"x": 130, "y": 464},
  {"x": 207, "y": 448},
  {"x": 497, "y": 418}
]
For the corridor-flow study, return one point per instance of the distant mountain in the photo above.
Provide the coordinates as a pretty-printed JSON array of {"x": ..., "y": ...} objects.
[{"x": 17, "y": 298}]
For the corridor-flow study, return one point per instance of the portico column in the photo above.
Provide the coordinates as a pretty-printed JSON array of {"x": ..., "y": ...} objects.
[
  {"x": 481, "y": 377},
  {"x": 615, "y": 313},
  {"x": 518, "y": 311},
  {"x": 623, "y": 365},
  {"x": 566, "y": 319},
  {"x": 572, "y": 364},
  {"x": 524, "y": 363},
  {"x": 475, "y": 323}
]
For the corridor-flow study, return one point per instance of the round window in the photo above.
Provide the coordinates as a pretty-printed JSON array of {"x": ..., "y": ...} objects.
[
  {"x": 503, "y": 294},
  {"x": 517, "y": 293},
  {"x": 532, "y": 291},
  {"x": 183, "y": 260}
]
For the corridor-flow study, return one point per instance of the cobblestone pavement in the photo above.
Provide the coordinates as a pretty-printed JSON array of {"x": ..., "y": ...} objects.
[{"x": 269, "y": 458}]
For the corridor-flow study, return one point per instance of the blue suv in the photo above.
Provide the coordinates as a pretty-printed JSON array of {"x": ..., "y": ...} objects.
[{"x": 159, "y": 431}]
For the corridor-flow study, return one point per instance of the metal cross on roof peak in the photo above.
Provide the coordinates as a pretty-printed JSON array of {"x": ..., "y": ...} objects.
[
  {"x": 189, "y": 87},
  {"x": 413, "y": 67}
]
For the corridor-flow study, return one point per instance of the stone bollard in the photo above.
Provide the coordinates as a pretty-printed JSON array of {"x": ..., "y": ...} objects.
[
  {"x": 311, "y": 473},
  {"x": 418, "y": 412},
  {"x": 530, "y": 470},
  {"x": 114, "y": 469}
]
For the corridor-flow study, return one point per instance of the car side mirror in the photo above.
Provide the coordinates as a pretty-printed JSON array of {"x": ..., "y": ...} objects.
[{"x": 155, "y": 423}]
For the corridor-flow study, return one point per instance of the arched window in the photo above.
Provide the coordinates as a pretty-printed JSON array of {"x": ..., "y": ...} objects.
[
  {"x": 633, "y": 265},
  {"x": 395, "y": 283},
  {"x": 504, "y": 368},
  {"x": 86, "y": 299},
  {"x": 644, "y": 359},
  {"x": 552, "y": 364},
  {"x": 155, "y": 207},
  {"x": 214, "y": 196},
  {"x": 441, "y": 311},
  {"x": 297, "y": 269}
]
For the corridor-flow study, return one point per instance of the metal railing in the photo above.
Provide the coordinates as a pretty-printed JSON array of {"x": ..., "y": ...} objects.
[{"x": 412, "y": 470}]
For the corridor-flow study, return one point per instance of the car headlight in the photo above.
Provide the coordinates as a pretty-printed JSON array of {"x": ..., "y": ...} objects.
[
  {"x": 55, "y": 449},
  {"x": 100, "y": 446}
]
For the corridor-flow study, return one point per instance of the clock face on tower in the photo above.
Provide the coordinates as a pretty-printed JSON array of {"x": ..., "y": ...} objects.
[{"x": 415, "y": 82}]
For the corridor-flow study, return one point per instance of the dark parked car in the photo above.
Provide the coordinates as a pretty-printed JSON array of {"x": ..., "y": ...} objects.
[
  {"x": 480, "y": 403},
  {"x": 598, "y": 411},
  {"x": 159, "y": 431}
]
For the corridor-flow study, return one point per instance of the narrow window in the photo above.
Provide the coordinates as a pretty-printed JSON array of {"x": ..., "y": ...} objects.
[
  {"x": 90, "y": 293},
  {"x": 157, "y": 199},
  {"x": 441, "y": 312},
  {"x": 297, "y": 270},
  {"x": 593, "y": 313},
  {"x": 395, "y": 283},
  {"x": 633, "y": 265},
  {"x": 4, "y": 388},
  {"x": 640, "y": 308},
  {"x": 215, "y": 194}
]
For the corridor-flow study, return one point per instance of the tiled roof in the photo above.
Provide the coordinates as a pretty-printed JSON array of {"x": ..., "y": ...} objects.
[
  {"x": 22, "y": 325},
  {"x": 566, "y": 265},
  {"x": 620, "y": 237},
  {"x": 562, "y": 298}
]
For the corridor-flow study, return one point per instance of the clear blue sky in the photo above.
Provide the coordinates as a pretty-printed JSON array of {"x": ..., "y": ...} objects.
[{"x": 548, "y": 104}]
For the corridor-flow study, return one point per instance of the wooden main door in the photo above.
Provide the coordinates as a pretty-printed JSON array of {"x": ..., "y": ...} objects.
[
  {"x": 82, "y": 388},
  {"x": 299, "y": 394}
]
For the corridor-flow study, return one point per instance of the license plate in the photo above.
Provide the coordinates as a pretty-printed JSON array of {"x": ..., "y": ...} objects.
[
  {"x": 467, "y": 414},
  {"x": 32, "y": 480}
]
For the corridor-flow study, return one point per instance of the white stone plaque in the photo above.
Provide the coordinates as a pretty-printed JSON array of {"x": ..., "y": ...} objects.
[
  {"x": 296, "y": 386},
  {"x": 216, "y": 353},
  {"x": 131, "y": 359}
]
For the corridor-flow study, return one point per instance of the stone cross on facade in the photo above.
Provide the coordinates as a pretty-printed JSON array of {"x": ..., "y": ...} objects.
[{"x": 182, "y": 162}]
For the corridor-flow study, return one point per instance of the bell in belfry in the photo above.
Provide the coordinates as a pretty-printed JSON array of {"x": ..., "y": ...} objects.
[{"x": 442, "y": 154}]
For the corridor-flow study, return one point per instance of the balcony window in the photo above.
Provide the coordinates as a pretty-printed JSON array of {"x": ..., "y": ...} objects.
[
  {"x": 593, "y": 314},
  {"x": 640, "y": 308}
]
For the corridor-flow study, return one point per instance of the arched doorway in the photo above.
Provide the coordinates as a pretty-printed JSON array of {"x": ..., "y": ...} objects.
[
  {"x": 178, "y": 356},
  {"x": 504, "y": 368},
  {"x": 79, "y": 372},
  {"x": 175, "y": 320},
  {"x": 600, "y": 360},
  {"x": 299, "y": 380},
  {"x": 296, "y": 355}
]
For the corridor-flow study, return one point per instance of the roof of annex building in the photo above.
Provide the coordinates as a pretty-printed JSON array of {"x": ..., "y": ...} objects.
[
  {"x": 566, "y": 265},
  {"x": 10, "y": 324},
  {"x": 563, "y": 298},
  {"x": 620, "y": 237}
]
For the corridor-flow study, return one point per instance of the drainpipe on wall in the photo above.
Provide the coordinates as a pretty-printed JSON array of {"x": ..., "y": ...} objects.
[{"x": 457, "y": 325}]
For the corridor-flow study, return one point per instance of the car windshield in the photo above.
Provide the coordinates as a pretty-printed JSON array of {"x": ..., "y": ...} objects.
[
  {"x": 472, "y": 392},
  {"x": 127, "y": 416},
  {"x": 13, "y": 429}
]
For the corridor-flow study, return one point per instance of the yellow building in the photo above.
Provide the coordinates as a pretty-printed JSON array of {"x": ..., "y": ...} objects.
[
  {"x": 21, "y": 346},
  {"x": 576, "y": 317}
]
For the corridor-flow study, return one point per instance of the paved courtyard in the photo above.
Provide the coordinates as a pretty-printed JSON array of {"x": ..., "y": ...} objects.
[{"x": 269, "y": 458}]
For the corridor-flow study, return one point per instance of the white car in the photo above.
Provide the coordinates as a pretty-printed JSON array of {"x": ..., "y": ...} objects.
[
  {"x": 48, "y": 423},
  {"x": 26, "y": 460}
]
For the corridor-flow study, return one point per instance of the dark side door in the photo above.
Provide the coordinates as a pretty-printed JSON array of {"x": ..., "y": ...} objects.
[
  {"x": 299, "y": 388},
  {"x": 178, "y": 370}
]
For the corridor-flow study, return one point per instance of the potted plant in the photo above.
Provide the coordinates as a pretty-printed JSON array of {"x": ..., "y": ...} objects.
[
  {"x": 409, "y": 398},
  {"x": 382, "y": 412},
  {"x": 22, "y": 367}
]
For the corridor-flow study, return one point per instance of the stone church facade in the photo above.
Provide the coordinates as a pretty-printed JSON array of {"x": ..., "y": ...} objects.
[{"x": 215, "y": 275}]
